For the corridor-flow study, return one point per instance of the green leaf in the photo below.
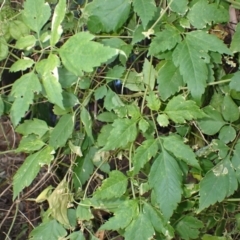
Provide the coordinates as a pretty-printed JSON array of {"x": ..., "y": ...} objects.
[
  {"x": 84, "y": 213},
  {"x": 180, "y": 110},
  {"x": 58, "y": 16},
  {"x": 76, "y": 236},
  {"x": 62, "y": 131},
  {"x": 30, "y": 144},
  {"x": 221, "y": 182},
  {"x": 30, "y": 168},
  {"x": 26, "y": 42},
  {"x": 210, "y": 237},
  {"x": 165, "y": 178},
  {"x": 174, "y": 144},
  {"x": 107, "y": 117},
  {"x": 59, "y": 201},
  {"x": 3, "y": 49},
  {"x": 36, "y": 13},
  {"x": 140, "y": 228},
  {"x": 143, "y": 125},
  {"x": 18, "y": 29},
  {"x": 122, "y": 216},
  {"x": 188, "y": 227},
  {"x": 144, "y": 153},
  {"x": 168, "y": 38},
  {"x": 107, "y": 15},
  {"x": 169, "y": 80},
  {"x": 145, "y": 10},
  {"x": 234, "y": 47},
  {"x": 66, "y": 78},
  {"x": 124, "y": 131},
  {"x": 36, "y": 126},
  {"x": 21, "y": 65},
  {"x": 212, "y": 123},
  {"x": 112, "y": 187},
  {"x": 203, "y": 13},
  {"x": 84, "y": 167},
  {"x": 178, "y": 6},
  {"x": 227, "y": 134},
  {"x": 157, "y": 221},
  {"x": 208, "y": 42},
  {"x": 162, "y": 120},
  {"x": 235, "y": 160},
  {"x": 79, "y": 53},
  {"x": 100, "y": 92},
  {"x": 87, "y": 122},
  {"x": 153, "y": 101},
  {"x": 69, "y": 99},
  {"x": 48, "y": 230},
  {"x": 149, "y": 74},
  {"x": 235, "y": 82},
  {"x": 230, "y": 110},
  {"x": 48, "y": 69},
  {"x": 23, "y": 91}
]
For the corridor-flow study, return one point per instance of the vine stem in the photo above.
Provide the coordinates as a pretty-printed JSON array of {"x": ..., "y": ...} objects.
[{"x": 130, "y": 168}]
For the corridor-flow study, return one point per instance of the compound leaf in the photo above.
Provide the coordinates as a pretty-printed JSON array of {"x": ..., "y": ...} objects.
[
  {"x": 219, "y": 182},
  {"x": 235, "y": 81},
  {"x": 123, "y": 132},
  {"x": 144, "y": 153},
  {"x": 112, "y": 187},
  {"x": 165, "y": 178},
  {"x": 145, "y": 10},
  {"x": 23, "y": 91},
  {"x": 36, "y": 13},
  {"x": 180, "y": 110},
  {"x": 30, "y": 168},
  {"x": 79, "y": 53},
  {"x": 174, "y": 144}
]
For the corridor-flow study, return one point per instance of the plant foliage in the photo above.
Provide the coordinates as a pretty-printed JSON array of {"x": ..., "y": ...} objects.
[{"x": 143, "y": 105}]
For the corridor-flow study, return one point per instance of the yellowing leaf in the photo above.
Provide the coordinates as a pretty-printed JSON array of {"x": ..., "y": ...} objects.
[
  {"x": 79, "y": 53},
  {"x": 112, "y": 187},
  {"x": 59, "y": 201}
]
